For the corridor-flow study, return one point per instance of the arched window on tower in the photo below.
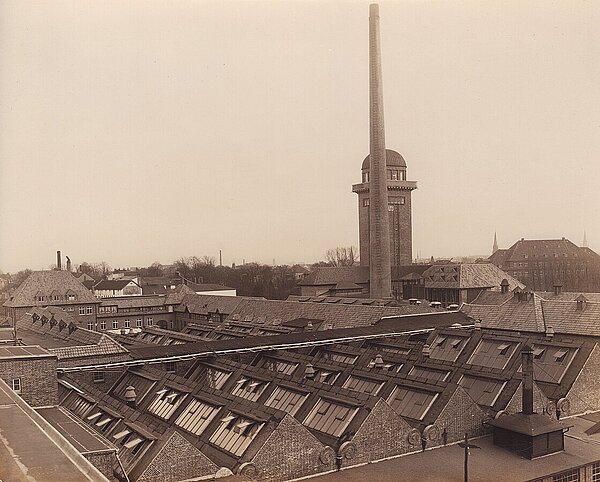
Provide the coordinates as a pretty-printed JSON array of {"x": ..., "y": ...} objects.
[{"x": 365, "y": 176}]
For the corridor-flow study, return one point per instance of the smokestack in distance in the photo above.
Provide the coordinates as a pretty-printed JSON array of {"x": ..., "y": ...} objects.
[
  {"x": 58, "y": 261},
  {"x": 527, "y": 364}
]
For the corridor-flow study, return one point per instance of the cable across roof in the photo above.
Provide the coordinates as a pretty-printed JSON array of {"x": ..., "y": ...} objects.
[{"x": 260, "y": 344}]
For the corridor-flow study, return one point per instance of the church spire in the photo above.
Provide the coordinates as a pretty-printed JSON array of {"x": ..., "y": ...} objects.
[{"x": 495, "y": 247}]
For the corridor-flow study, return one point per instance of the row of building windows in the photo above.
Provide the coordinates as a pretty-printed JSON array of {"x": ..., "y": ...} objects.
[
  {"x": 395, "y": 202},
  {"x": 115, "y": 324},
  {"x": 392, "y": 175}
]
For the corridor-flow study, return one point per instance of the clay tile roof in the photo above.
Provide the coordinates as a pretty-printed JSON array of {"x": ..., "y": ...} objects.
[{"x": 47, "y": 282}]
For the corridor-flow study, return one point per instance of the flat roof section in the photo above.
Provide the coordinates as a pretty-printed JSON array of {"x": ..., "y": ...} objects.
[
  {"x": 28, "y": 453},
  {"x": 23, "y": 352},
  {"x": 83, "y": 438}
]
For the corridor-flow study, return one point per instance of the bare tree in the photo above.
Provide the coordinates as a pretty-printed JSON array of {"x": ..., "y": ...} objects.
[{"x": 341, "y": 256}]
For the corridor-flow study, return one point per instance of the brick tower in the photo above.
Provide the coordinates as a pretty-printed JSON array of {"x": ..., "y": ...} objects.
[{"x": 384, "y": 195}]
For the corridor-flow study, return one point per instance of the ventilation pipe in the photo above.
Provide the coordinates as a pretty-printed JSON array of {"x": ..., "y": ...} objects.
[{"x": 527, "y": 362}]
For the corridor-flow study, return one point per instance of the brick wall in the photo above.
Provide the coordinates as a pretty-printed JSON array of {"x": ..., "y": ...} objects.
[
  {"x": 461, "y": 415},
  {"x": 39, "y": 387},
  {"x": 104, "y": 462},
  {"x": 540, "y": 401},
  {"x": 585, "y": 391},
  {"x": 291, "y": 451},
  {"x": 177, "y": 460},
  {"x": 383, "y": 434}
]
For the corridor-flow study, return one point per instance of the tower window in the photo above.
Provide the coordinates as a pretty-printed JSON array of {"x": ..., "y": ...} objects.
[
  {"x": 365, "y": 176},
  {"x": 366, "y": 202}
]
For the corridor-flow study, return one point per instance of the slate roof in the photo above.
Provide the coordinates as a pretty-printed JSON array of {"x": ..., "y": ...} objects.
[
  {"x": 113, "y": 284},
  {"x": 505, "y": 311},
  {"x": 356, "y": 274},
  {"x": 47, "y": 283},
  {"x": 75, "y": 342},
  {"x": 335, "y": 315},
  {"x": 542, "y": 248},
  {"x": 402, "y": 354},
  {"x": 205, "y": 304},
  {"x": 467, "y": 275}
]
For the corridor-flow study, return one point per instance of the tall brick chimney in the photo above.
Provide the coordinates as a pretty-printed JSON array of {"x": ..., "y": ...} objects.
[
  {"x": 527, "y": 368},
  {"x": 58, "y": 261},
  {"x": 380, "y": 262}
]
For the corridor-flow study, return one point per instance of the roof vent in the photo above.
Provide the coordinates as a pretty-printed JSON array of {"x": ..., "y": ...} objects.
[
  {"x": 309, "y": 372},
  {"x": 478, "y": 324},
  {"x": 309, "y": 326},
  {"x": 426, "y": 351},
  {"x": 549, "y": 332},
  {"x": 378, "y": 361},
  {"x": 130, "y": 396},
  {"x": 557, "y": 288},
  {"x": 581, "y": 302},
  {"x": 504, "y": 285}
]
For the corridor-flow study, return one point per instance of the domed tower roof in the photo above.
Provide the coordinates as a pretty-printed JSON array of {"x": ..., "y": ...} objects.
[{"x": 392, "y": 158}]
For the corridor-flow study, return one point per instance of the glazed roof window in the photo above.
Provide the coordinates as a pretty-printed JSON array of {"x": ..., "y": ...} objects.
[
  {"x": 550, "y": 363},
  {"x": 411, "y": 403},
  {"x": 330, "y": 417},
  {"x": 337, "y": 357},
  {"x": 493, "y": 353},
  {"x": 280, "y": 366},
  {"x": 166, "y": 402},
  {"x": 249, "y": 388},
  {"x": 481, "y": 390},
  {"x": 235, "y": 433},
  {"x": 209, "y": 376},
  {"x": 363, "y": 385},
  {"x": 196, "y": 416},
  {"x": 447, "y": 347},
  {"x": 286, "y": 400},
  {"x": 429, "y": 374}
]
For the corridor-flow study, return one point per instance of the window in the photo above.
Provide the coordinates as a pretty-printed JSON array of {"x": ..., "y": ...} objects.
[
  {"x": 338, "y": 357},
  {"x": 82, "y": 310},
  {"x": 98, "y": 377},
  {"x": 235, "y": 433},
  {"x": 596, "y": 472},
  {"x": 170, "y": 367},
  {"x": 286, "y": 400},
  {"x": 127, "y": 323},
  {"x": 115, "y": 324},
  {"x": 279, "y": 366},
  {"x": 365, "y": 176},
  {"x": 330, "y": 417},
  {"x": 428, "y": 374},
  {"x": 71, "y": 297},
  {"x": 209, "y": 376},
  {"x": 56, "y": 297},
  {"x": 493, "y": 353},
  {"x": 138, "y": 322},
  {"x": 40, "y": 298},
  {"x": 89, "y": 310},
  {"x": 70, "y": 308},
  {"x": 366, "y": 202},
  {"x": 196, "y": 416},
  {"x": 411, "y": 403},
  {"x": 363, "y": 385},
  {"x": 149, "y": 321},
  {"x": 483, "y": 391},
  {"x": 249, "y": 388},
  {"x": 90, "y": 325},
  {"x": 166, "y": 402},
  {"x": 567, "y": 476},
  {"x": 103, "y": 325},
  {"x": 16, "y": 385}
]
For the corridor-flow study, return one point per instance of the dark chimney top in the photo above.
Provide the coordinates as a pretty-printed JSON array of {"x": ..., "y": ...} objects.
[
  {"x": 527, "y": 364},
  {"x": 557, "y": 288},
  {"x": 504, "y": 286}
]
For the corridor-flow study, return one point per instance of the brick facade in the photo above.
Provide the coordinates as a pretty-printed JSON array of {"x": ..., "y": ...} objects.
[
  {"x": 177, "y": 460},
  {"x": 104, "y": 462},
  {"x": 541, "y": 403},
  {"x": 39, "y": 387},
  {"x": 461, "y": 415},
  {"x": 585, "y": 392},
  {"x": 291, "y": 451},
  {"x": 383, "y": 434}
]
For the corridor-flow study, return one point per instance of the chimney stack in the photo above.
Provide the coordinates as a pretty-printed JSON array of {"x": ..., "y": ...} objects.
[
  {"x": 527, "y": 364},
  {"x": 504, "y": 285},
  {"x": 130, "y": 396},
  {"x": 68, "y": 263},
  {"x": 557, "y": 288},
  {"x": 58, "y": 261},
  {"x": 380, "y": 257}
]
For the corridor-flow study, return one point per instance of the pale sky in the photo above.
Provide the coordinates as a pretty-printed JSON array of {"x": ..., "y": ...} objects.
[{"x": 149, "y": 130}]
